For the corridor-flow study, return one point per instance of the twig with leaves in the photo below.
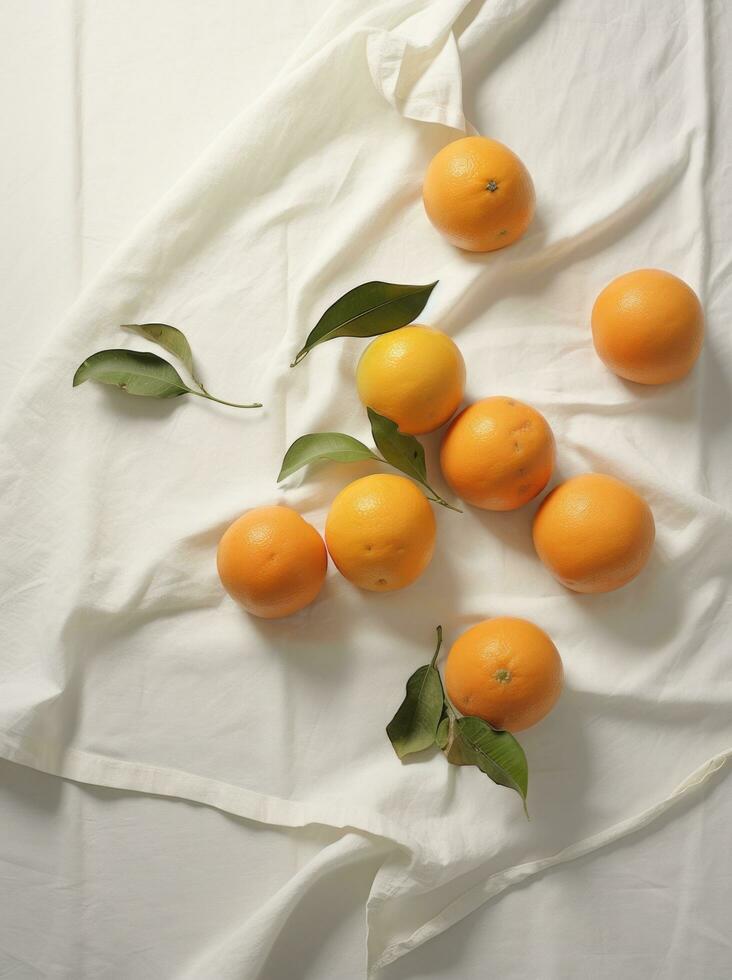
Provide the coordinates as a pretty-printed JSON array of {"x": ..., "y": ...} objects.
[
  {"x": 403, "y": 452},
  {"x": 146, "y": 374},
  {"x": 426, "y": 718}
]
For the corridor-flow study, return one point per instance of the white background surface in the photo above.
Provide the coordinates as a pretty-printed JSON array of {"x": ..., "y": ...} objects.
[{"x": 98, "y": 879}]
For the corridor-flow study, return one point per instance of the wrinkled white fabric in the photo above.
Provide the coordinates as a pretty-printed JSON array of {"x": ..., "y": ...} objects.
[
  {"x": 105, "y": 883},
  {"x": 123, "y": 665}
]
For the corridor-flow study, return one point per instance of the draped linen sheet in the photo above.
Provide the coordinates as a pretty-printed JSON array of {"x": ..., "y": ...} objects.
[{"x": 122, "y": 662}]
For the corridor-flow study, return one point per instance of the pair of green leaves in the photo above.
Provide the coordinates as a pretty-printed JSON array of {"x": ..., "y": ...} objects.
[
  {"x": 403, "y": 452},
  {"x": 368, "y": 310},
  {"x": 146, "y": 374},
  {"x": 426, "y": 718}
]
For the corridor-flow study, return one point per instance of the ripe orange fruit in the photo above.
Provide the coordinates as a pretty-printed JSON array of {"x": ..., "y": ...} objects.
[
  {"x": 414, "y": 376},
  {"x": 380, "y": 532},
  {"x": 648, "y": 326},
  {"x": 478, "y": 194},
  {"x": 498, "y": 454},
  {"x": 272, "y": 561},
  {"x": 506, "y": 671},
  {"x": 594, "y": 533}
]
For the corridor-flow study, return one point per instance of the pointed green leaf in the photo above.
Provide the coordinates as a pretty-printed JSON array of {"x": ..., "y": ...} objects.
[
  {"x": 414, "y": 726},
  {"x": 497, "y": 754},
  {"x": 170, "y": 338},
  {"x": 335, "y": 446},
  {"x": 135, "y": 372},
  {"x": 402, "y": 451},
  {"x": 444, "y": 732},
  {"x": 368, "y": 310}
]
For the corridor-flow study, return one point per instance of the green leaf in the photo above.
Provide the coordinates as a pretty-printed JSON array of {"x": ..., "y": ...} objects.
[
  {"x": 368, "y": 310},
  {"x": 414, "y": 726},
  {"x": 497, "y": 754},
  {"x": 334, "y": 446},
  {"x": 135, "y": 372},
  {"x": 170, "y": 338},
  {"x": 444, "y": 731},
  {"x": 402, "y": 451}
]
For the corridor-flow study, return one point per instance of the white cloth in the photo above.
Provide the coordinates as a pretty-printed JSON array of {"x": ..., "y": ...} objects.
[
  {"x": 120, "y": 643},
  {"x": 98, "y": 883}
]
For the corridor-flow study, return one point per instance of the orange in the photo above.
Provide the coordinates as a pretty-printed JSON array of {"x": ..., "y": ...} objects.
[
  {"x": 478, "y": 194},
  {"x": 506, "y": 671},
  {"x": 648, "y": 326},
  {"x": 594, "y": 533},
  {"x": 380, "y": 532},
  {"x": 414, "y": 376},
  {"x": 272, "y": 561},
  {"x": 498, "y": 454}
]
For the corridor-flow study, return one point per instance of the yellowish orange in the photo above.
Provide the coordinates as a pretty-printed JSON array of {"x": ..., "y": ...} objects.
[
  {"x": 478, "y": 194},
  {"x": 648, "y": 326},
  {"x": 380, "y": 532},
  {"x": 414, "y": 376},
  {"x": 506, "y": 671},
  {"x": 272, "y": 561},
  {"x": 594, "y": 533},
  {"x": 498, "y": 454}
]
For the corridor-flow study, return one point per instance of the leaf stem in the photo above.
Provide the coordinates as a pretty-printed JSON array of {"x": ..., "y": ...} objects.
[
  {"x": 212, "y": 398},
  {"x": 437, "y": 499},
  {"x": 437, "y": 649}
]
